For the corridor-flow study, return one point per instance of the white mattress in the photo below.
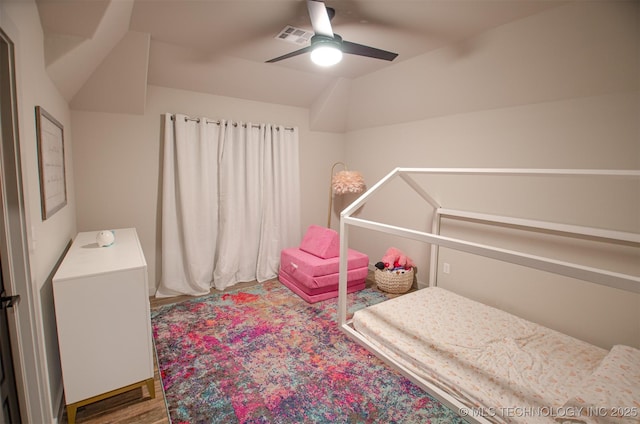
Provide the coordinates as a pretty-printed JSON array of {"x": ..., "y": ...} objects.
[{"x": 517, "y": 371}]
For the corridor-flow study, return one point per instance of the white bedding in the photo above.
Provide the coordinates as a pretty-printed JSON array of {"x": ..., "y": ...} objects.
[{"x": 510, "y": 368}]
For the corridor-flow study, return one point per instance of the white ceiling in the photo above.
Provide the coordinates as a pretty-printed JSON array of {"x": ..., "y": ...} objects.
[{"x": 220, "y": 46}]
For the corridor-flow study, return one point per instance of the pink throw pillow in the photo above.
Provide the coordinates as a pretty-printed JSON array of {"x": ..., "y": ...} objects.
[{"x": 321, "y": 242}]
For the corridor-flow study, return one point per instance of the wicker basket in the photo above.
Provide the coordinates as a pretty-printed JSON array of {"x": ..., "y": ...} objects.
[{"x": 394, "y": 281}]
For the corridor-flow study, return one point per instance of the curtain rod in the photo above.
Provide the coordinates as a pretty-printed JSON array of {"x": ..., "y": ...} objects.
[{"x": 235, "y": 124}]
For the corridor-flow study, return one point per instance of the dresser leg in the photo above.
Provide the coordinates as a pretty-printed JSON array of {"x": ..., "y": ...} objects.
[
  {"x": 71, "y": 413},
  {"x": 151, "y": 386}
]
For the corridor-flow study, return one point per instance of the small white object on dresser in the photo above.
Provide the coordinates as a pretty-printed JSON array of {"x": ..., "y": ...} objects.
[{"x": 101, "y": 299}]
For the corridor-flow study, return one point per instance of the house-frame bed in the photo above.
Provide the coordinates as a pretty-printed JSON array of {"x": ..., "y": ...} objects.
[{"x": 444, "y": 370}]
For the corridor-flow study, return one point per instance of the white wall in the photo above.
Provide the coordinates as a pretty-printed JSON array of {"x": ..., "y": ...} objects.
[
  {"x": 47, "y": 239},
  {"x": 117, "y": 161},
  {"x": 554, "y": 90}
]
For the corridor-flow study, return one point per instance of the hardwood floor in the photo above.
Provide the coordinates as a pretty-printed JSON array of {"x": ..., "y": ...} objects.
[{"x": 134, "y": 407}]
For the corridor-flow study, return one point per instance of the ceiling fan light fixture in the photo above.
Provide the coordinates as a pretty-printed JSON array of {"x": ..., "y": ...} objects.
[
  {"x": 326, "y": 50},
  {"x": 326, "y": 55}
]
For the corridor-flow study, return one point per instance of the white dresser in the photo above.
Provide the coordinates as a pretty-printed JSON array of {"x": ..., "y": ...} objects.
[{"x": 101, "y": 299}]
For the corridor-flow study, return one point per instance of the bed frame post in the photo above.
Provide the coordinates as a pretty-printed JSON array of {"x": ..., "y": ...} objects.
[
  {"x": 342, "y": 281},
  {"x": 435, "y": 250}
]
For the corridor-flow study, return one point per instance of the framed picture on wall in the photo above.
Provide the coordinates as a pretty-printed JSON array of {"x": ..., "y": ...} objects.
[{"x": 53, "y": 181}]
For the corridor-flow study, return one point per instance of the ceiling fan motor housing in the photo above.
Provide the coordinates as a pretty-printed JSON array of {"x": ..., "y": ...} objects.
[{"x": 319, "y": 40}]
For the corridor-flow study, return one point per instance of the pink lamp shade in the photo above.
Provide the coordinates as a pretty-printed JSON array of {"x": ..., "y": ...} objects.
[
  {"x": 347, "y": 182},
  {"x": 344, "y": 182}
]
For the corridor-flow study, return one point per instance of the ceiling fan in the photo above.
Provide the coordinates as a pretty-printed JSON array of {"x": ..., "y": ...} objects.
[{"x": 327, "y": 47}]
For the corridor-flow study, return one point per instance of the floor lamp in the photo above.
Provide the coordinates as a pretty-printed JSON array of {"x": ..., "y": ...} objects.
[{"x": 343, "y": 182}]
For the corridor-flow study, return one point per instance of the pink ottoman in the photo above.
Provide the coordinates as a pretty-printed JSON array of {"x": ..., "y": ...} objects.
[{"x": 312, "y": 270}]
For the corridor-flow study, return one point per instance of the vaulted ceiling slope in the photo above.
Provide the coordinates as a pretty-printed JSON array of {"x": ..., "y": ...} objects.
[{"x": 101, "y": 54}]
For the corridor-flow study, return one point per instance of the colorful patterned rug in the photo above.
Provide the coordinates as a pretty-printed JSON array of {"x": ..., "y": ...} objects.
[{"x": 264, "y": 355}]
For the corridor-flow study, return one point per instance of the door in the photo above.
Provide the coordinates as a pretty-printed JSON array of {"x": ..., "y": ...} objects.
[{"x": 8, "y": 392}]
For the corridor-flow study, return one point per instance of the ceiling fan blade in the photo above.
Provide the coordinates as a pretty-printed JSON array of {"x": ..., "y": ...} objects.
[
  {"x": 288, "y": 55},
  {"x": 361, "y": 50},
  {"x": 319, "y": 18}
]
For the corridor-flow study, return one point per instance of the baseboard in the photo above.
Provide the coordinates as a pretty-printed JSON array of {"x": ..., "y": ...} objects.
[{"x": 60, "y": 403}]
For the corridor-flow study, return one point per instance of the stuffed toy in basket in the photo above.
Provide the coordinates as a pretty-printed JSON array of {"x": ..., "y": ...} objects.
[{"x": 394, "y": 273}]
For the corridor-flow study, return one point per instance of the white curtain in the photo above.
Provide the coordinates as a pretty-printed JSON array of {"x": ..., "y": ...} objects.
[{"x": 230, "y": 203}]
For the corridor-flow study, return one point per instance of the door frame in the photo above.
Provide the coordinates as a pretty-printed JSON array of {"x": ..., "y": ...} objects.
[{"x": 25, "y": 346}]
